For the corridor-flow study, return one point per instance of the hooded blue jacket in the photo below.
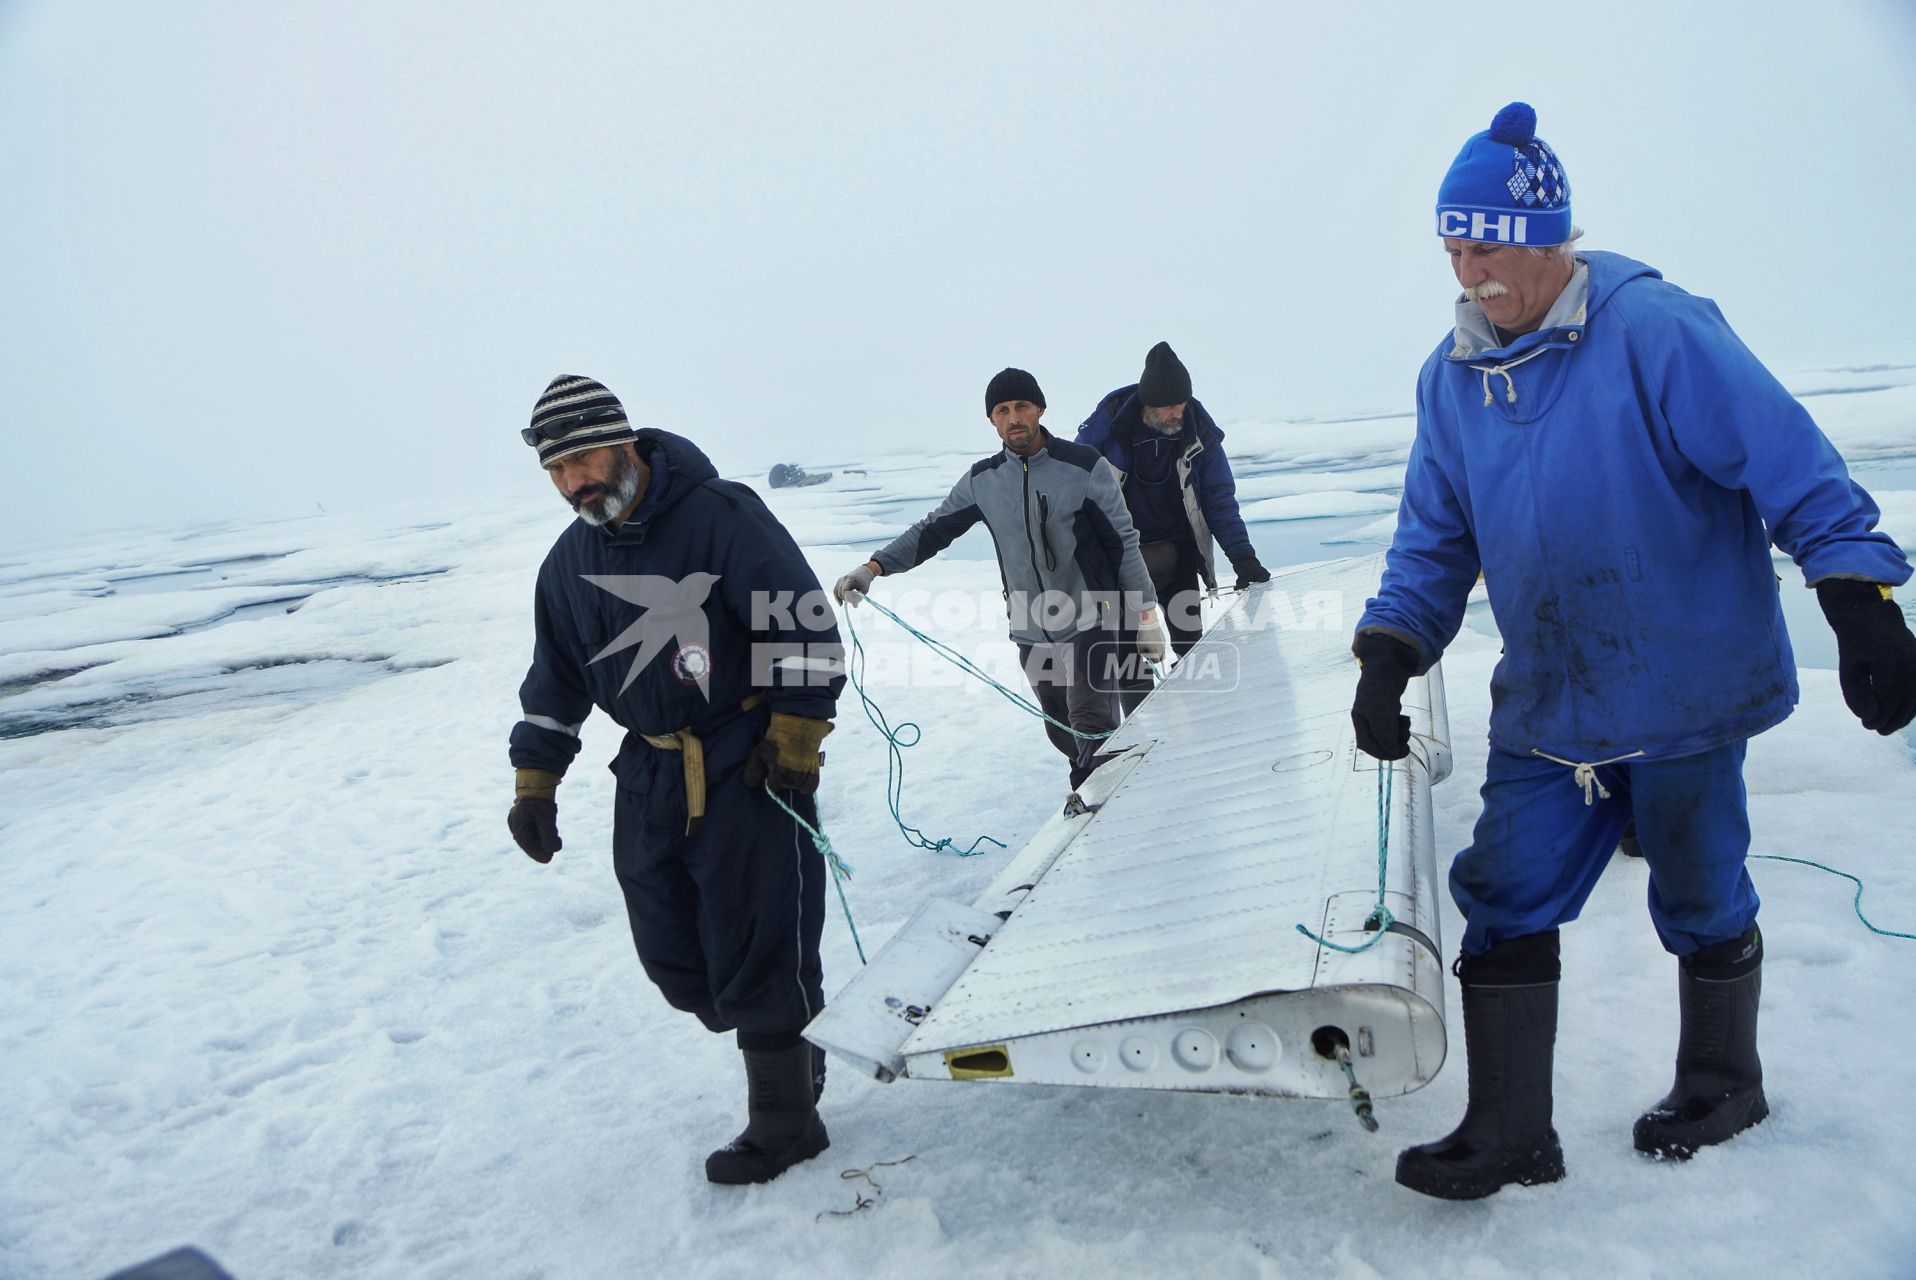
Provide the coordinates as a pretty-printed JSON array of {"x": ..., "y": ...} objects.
[
  {"x": 1206, "y": 492},
  {"x": 703, "y": 555},
  {"x": 1618, "y": 477}
]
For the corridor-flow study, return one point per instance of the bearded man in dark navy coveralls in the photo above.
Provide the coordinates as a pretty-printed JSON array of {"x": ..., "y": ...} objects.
[{"x": 680, "y": 607}]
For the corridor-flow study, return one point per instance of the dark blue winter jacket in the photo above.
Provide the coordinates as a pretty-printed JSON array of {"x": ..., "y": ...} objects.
[
  {"x": 1201, "y": 487},
  {"x": 1618, "y": 476},
  {"x": 698, "y": 600}
]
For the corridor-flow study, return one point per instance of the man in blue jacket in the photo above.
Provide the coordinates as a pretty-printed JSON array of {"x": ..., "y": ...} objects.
[
  {"x": 679, "y": 606},
  {"x": 1169, "y": 456},
  {"x": 1601, "y": 446}
]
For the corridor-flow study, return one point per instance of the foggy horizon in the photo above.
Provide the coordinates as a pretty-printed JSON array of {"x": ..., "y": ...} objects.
[{"x": 267, "y": 260}]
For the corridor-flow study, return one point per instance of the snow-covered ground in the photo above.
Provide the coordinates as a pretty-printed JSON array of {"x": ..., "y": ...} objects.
[{"x": 274, "y": 979}]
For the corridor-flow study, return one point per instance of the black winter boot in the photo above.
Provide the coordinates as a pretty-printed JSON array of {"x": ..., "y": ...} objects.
[
  {"x": 1719, "y": 1079},
  {"x": 1510, "y": 1037},
  {"x": 784, "y": 1126}
]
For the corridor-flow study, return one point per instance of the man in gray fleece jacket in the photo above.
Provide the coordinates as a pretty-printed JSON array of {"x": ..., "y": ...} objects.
[{"x": 1068, "y": 557}]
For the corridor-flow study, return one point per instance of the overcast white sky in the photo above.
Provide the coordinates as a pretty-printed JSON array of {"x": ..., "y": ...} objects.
[{"x": 260, "y": 256}]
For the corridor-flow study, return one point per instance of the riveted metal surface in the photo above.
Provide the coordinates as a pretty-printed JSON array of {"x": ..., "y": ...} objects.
[{"x": 1251, "y": 812}]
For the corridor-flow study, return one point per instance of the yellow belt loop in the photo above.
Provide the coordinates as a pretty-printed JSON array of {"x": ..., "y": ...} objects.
[{"x": 687, "y": 742}]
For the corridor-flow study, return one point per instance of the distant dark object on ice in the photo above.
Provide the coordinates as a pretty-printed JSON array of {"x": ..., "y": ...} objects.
[
  {"x": 181, "y": 1264},
  {"x": 789, "y": 475}
]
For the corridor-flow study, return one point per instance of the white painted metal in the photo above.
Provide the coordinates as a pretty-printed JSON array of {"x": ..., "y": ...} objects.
[
  {"x": 1157, "y": 943},
  {"x": 1261, "y": 1045},
  {"x": 873, "y": 1017},
  {"x": 869, "y": 1021}
]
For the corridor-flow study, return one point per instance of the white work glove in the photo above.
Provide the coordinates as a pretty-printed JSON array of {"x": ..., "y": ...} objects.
[
  {"x": 852, "y": 587},
  {"x": 1153, "y": 643}
]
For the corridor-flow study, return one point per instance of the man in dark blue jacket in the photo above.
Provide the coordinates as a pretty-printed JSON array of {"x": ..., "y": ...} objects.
[
  {"x": 679, "y": 606},
  {"x": 1617, "y": 464},
  {"x": 1169, "y": 456}
]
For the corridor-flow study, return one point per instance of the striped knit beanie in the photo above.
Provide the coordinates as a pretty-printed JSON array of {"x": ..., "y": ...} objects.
[{"x": 575, "y": 414}]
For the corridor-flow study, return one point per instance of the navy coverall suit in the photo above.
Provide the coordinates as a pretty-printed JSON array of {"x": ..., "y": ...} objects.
[{"x": 692, "y": 619}]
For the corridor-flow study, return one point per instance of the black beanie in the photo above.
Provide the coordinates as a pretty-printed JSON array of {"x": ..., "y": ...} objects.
[
  {"x": 1165, "y": 380},
  {"x": 1012, "y": 384}
]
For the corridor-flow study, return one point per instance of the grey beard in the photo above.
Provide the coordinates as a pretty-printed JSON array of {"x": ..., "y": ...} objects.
[{"x": 624, "y": 487}]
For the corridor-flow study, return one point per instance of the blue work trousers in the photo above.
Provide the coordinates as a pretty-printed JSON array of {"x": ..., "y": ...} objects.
[{"x": 1539, "y": 848}]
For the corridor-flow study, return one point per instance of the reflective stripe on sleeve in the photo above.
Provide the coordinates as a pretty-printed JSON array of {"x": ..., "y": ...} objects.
[
  {"x": 547, "y": 722},
  {"x": 832, "y": 664}
]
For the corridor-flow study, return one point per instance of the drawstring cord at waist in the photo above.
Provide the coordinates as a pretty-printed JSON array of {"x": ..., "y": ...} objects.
[{"x": 1585, "y": 773}]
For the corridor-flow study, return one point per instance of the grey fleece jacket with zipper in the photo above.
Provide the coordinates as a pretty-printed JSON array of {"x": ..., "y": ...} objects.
[{"x": 1067, "y": 551}]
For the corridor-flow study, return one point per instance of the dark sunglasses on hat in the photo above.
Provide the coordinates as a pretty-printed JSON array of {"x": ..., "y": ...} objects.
[{"x": 559, "y": 428}]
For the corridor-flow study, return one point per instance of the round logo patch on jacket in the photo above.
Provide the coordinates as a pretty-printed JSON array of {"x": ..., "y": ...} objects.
[{"x": 692, "y": 664}]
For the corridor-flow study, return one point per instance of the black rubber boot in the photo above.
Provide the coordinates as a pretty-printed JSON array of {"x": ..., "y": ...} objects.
[
  {"x": 818, "y": 1073},
  {"x": 1719, "y": 1079},
  {"x": 784, "y": 1129},
  {"x": 1510, "y": 1037}
]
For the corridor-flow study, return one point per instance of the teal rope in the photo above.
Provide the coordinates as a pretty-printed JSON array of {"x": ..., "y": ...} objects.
[
  {"x": 1380, "y": 919},
  {"x": 895, "y": 742},
  {"x": 1858, "y": 903},
  {"x": 841, "y": 869},
  {"x": 971, "y": 668}
]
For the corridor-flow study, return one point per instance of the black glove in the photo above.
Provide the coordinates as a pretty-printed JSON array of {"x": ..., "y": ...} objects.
[
  {"x": 1249, "y": 571},
  {"x": 535, "y": 825},
  {"x": 1875, "y": 652},
  {"x": 534, "y": 819},
  {"x": 1383, "y": 730}
]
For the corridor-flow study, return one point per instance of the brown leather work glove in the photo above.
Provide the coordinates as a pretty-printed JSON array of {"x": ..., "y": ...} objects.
[
  {"x": 534, "y": 820},
  {"x": 787, "y": 756}
]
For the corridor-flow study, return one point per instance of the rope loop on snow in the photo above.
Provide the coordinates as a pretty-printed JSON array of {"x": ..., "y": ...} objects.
[
  {"x": 861, "y": 1201},
  {"x": 1857, "y": 903},
  {"x": 906, "y": 734}
]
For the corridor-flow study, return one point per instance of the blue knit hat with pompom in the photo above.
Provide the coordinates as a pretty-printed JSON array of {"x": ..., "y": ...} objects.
[{"x": 1506, "y": 186}]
